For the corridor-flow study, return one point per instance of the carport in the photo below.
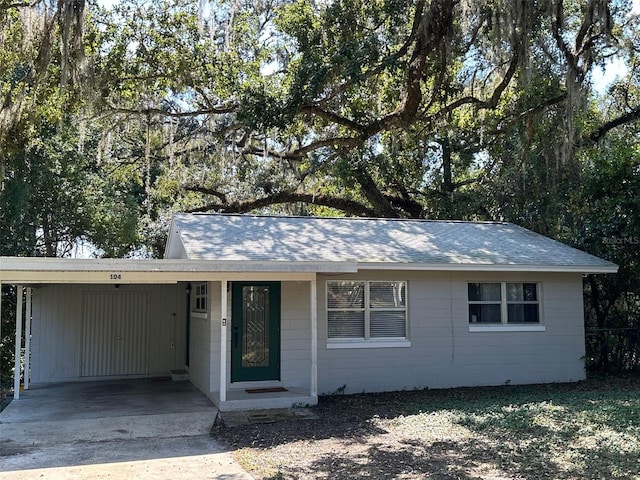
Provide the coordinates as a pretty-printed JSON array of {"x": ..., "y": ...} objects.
[
  {"x": 143, "y": 428},
  {"x": 203, "y": 351},
  {"x": 127, "y": 280}
]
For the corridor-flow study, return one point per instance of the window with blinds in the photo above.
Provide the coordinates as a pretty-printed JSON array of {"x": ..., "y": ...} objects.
[{"x": 366, "y": 309}]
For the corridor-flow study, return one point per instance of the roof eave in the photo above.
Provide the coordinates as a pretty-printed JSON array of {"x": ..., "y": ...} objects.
[
  {"x": 167, "y": 265},
  {"x": 489, "y": 267}
]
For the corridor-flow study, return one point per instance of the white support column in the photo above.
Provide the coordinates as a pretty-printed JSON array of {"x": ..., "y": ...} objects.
[
  {"x": 16, "y": 373},
  {"x": 27, "y": 340},
  {"x": 223, "y": 340},
  {"x": 0, "y": 310},
  {"x": 314, "y": 337}
]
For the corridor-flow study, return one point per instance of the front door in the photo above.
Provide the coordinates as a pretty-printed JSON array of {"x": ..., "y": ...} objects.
[{"x": 255, "y": 331}]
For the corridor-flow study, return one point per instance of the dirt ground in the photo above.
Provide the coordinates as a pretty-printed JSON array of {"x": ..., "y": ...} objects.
[{"x": 569, "y": 431}]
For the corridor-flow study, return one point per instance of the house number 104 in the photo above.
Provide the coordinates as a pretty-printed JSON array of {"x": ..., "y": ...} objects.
[{"x": 116, "y": 276}]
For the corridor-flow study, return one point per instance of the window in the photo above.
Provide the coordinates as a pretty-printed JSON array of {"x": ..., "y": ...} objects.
[
  {"x": 366, "y": 310},
  {"x": 500, "y": 303},
  {"x": 201, "y": 298}
]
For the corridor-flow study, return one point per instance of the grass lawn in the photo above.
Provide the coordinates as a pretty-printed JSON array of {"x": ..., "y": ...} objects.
[{"x": 589, "y": 430}]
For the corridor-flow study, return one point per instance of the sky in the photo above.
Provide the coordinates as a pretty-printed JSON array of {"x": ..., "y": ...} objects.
[{"x": 603, "y": 78}]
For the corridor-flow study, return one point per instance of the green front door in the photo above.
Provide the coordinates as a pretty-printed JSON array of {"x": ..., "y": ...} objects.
[{"x": 255, "y": 331}]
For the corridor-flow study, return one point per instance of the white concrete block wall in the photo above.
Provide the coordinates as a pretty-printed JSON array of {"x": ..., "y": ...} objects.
[
  {"x": 214, "y": 341},
  {"x": 200, "y": 347},
  {"x": 58, "y": 324},
  {"x": 295, "y": 334},
  {"x": 444, "y": 353}
]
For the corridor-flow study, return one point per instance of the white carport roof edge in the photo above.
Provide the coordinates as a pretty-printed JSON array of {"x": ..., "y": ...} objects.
[{"x": 33, "y": 270}]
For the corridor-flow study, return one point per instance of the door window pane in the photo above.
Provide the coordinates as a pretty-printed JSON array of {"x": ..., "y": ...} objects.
[{"x": 255, "y": 341}]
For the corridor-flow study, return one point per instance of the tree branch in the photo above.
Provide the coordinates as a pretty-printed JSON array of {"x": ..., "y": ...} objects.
[
  {"x": 351, "y": 207},
  {"x": 25, "y": 4},
  {"x": 208, "y": 191},
  {"x": 349, "y": 142},
  {"x": 332, "y": 117},
  {"x": 601, "y": 131},
  {"x": 381, "y": 205},
  {"x": 506, "y": 123},
  {"x": 159, "y": 111}
]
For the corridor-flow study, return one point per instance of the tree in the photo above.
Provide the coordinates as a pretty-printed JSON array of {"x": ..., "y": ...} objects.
[
  {"x": 42, "y": 62},
  {"x": 386, "y": 108},
  {"x": 604, "y": 221}
]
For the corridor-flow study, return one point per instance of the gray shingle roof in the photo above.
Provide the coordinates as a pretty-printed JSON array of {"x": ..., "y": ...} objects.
[{"x": 374, "y": 241}]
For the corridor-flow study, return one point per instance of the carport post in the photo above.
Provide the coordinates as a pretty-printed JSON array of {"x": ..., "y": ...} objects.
[
  {"x": 16, "y": 373},
  {"x": 314, "y": 337},
  {"x": 27, "y": 341},
  {"x": 223, "y": 341}
]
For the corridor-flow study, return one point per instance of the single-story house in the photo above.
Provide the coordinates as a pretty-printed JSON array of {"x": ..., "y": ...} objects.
[{"x": 265, "y": 311}]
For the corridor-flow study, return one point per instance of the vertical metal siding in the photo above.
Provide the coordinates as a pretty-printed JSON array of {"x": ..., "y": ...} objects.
[{"x": 115, "y": 338}]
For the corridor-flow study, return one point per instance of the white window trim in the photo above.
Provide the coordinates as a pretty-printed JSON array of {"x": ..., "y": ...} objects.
[
  {"x": 476, "y": 327},
  {"x": 367, "y": 341},
  {"x": 505, "y": 326},
  {"x": 338, "y": 343}
]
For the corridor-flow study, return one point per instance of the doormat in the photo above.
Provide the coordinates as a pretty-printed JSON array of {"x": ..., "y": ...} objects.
[
  {"x": 238, "y": 418},
  {"x": 266, "y": 390}
]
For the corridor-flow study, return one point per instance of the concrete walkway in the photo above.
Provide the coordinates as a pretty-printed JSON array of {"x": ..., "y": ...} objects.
[{"x": 118, "y": 429}]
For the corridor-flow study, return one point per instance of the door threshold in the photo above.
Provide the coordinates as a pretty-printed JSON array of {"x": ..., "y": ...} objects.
[{"x": 257, "y": 384}]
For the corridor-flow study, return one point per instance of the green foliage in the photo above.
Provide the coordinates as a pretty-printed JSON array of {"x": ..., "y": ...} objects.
[
  {"x": 8, "y": 335},
  {"x": 606, "y": 223}
]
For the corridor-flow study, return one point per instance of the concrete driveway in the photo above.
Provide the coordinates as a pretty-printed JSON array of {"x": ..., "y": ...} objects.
[{"x": 114, "y": 429}]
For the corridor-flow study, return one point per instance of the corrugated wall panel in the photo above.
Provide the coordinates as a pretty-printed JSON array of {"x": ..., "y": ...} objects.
[{"x": 115, "y": 338}]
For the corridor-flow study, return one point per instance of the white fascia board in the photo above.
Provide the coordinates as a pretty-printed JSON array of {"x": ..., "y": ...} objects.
[
  {"x": 30, "y": 270},
  {"x": 480, "y": 267},
  {"x": 174, "y": 237},
  {"x": 44, "y": 264}
]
